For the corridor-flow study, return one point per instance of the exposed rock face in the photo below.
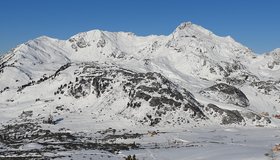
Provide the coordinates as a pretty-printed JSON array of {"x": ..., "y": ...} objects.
[
  {"x": 256, "y": 118},
  {"x": 164, "y": 98},
  {"x": 227, "y": 116},
  {"x": 266, "y": 87},
  {"x": 227, "y": 94}
]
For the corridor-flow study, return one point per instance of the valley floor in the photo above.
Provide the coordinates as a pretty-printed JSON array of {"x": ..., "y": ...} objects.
[{"x": 207, "y": 143}]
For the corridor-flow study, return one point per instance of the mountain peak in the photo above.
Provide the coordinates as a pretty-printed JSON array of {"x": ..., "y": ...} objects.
[
  {"x": 88, "y": 34},
  {"x": 275, "y": 53},
  {"x": 188, "y": 28},
  {"x": 185, "y": 25},
  {"x": 277, "y": 50},
  {"x": 43, "y": 37}
]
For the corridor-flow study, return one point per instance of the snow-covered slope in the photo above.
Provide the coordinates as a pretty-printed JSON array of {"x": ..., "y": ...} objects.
[{"x": 98, "y": 80}]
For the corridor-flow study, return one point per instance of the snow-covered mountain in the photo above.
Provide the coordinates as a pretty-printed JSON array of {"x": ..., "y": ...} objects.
[
  {"x": 191, "y": 58},
  {"x": 99, "y": 79}
]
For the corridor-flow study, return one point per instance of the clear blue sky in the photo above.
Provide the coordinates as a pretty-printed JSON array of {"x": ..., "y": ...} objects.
[{"x": 254, "y": 23}]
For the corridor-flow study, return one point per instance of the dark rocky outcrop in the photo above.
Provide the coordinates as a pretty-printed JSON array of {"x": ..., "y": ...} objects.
[
  {"x": 228, "y": 116},
  {"x": 254, "y": 117},
  {"x": 150, "y": 88},
  {"x": 227, "y": 94},
  {"x": 266, "y": 87}
]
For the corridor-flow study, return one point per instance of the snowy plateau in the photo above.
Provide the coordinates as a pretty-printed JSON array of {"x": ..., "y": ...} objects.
[{"x": 190, "y": 95}]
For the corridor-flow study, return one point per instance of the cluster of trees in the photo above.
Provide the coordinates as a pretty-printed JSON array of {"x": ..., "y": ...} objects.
[{"x": 129, "y": 157}]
